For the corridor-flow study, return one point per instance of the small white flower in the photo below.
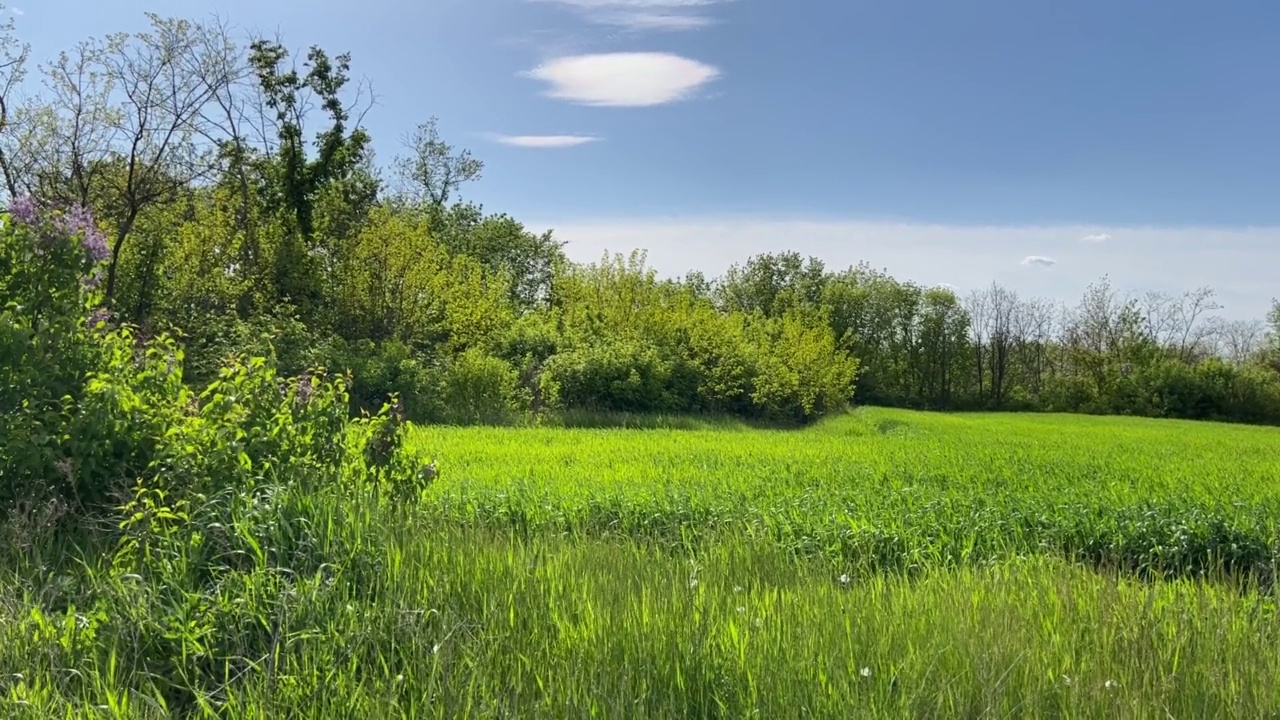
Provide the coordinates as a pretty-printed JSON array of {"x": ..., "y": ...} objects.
[
  {"x": 435, "y": 649},
  {"x": 1111, "y": 684},
  {"x": 737, "y": 588},
  {"x": 844, "y": 580},
  {"x": 399, "y": 678},
  {"x": 759, "y": 622},
  {"x": 741, "y": 609},
  {"x": 865, "y": 672}
]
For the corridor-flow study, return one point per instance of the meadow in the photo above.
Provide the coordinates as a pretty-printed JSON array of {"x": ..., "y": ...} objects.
[{"x": 879, "y": 564}]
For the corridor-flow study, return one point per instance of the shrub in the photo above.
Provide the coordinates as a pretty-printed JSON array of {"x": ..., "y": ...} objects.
[
  {"x": 475, "y": 387},
  {"x": 50, "y": 266},
  {"x": 612, "y": 375}
]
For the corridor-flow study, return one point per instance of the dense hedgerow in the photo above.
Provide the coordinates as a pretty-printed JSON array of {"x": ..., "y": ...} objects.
[{"x": 198, "y": 497}]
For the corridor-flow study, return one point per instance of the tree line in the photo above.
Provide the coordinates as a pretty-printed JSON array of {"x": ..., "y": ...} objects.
[{"x": 243, "y": 209}]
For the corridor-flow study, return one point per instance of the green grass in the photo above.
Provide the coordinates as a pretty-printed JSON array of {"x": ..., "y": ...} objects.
[
  {"x": 881, "y": 564},
  {"x": 884, "y": 489}
]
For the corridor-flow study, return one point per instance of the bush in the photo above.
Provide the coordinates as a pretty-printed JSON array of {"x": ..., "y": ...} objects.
[
  {"x": 50, "y": 266},
  {"x": 614, "y": 375},
  {"x": 205, "y": 496},
  {"x": 475, "y": 388},
  {"x": 802, "y": 375},
  {"x": 90, "y": 412}
]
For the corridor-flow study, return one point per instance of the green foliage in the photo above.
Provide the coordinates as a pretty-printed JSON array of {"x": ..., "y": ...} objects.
[
  {"x": 295, "y": 180},
  {"x": 399, "y": 283},
  {"x": 802, "y": 374},
  {"x": 256, "y": 212},
  {"x": 505, "y": 249},
  {"x": 632, "y": 343},
  {"x": 205, "y": 499},
  {"x": 477, "y": 388},
  {"x": 47, "y": 353},
  {"x": 624, "y": 376}
]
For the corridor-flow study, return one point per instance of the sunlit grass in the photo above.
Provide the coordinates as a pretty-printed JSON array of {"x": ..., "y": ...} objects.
[
  {"x": 883, "y": 564},
  {"x": 887, "y": 488},
  {"x": 461, "y": 624}
]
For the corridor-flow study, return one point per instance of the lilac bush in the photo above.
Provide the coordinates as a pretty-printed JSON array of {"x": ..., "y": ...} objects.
[{"x": 53, "y": 227}]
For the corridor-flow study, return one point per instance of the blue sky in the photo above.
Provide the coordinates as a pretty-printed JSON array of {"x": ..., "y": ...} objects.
[{"x": 946, "y": 141}]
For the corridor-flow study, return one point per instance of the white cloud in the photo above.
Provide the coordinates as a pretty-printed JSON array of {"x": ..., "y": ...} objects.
[
  {"x": 643, "y": 15},
  {"x": 17, "y": 11},
  {"x": 1039, "y": 260},
  {"x": 1096, "y": 238},
  {"x": 623, "y": 79},
  {"x": 1238, "y": 263},
  {"x": 545, "y": 141}
]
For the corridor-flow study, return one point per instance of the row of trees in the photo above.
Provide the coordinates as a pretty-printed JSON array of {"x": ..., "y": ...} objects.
[
  {"x": 1151, "y": 353},
  {"x": 242, "y": 205}
]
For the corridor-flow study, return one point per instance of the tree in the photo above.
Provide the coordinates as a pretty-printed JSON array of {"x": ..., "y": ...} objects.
[
  {"x": 13, "y": 70},
  {"x": 1239, "y": 341},
  {"x": 1176, "y": 322},
  {"x": 433, "y": 171},
  {"x": 504, "y": 247},
  {"x": 124, "y": 126},
  {"x": 772, "y": 284},
  {"x": 293, "y": 179}
]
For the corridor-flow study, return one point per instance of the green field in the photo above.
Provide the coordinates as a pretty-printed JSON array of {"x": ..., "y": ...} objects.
[
  {"x": 883, "y": 489},
  {"x": 879, "y": 564}
]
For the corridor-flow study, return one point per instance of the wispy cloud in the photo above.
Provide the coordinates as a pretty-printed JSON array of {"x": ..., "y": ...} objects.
[
  {"x": 642, "y": 15},
  {"x": 1039, "y": 260},
  {"x": 1096, "y": 238},
  {"x": 623, "y": 79},
  {"x": 544, "y": 141},
  {"x": 17, "y": 11}
]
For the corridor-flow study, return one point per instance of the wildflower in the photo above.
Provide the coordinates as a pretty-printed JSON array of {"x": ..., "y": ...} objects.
[
  {"x": 865, "y": 672},
  {"x": 741, "y": 609},
  {"x": 25, "y": 210},
  {"x": 844, "y": 580},
  {"x": 79, "y": 221},
  {"x": 1111, "y": 684}
]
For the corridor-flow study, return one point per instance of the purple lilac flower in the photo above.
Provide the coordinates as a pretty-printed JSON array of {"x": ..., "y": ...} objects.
[
  {"x": 98, "y": 317},
  {"x": 25, "y": 210},
  {"x": 78, "y": 220}
]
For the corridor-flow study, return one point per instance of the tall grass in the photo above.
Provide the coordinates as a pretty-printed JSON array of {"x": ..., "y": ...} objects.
[
  {"x": 888, "y": 489},
  {"x": 883, "y": 564},
  {"x": 476, "y": 624}
]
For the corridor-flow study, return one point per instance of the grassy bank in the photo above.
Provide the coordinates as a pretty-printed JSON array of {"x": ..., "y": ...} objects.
[{"x": 882, "y": 564}]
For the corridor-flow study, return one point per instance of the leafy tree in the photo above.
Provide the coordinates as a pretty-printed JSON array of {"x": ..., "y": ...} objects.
[
  {"x": 433, "y": 171},
  {"x": 504, "y": 247}
]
